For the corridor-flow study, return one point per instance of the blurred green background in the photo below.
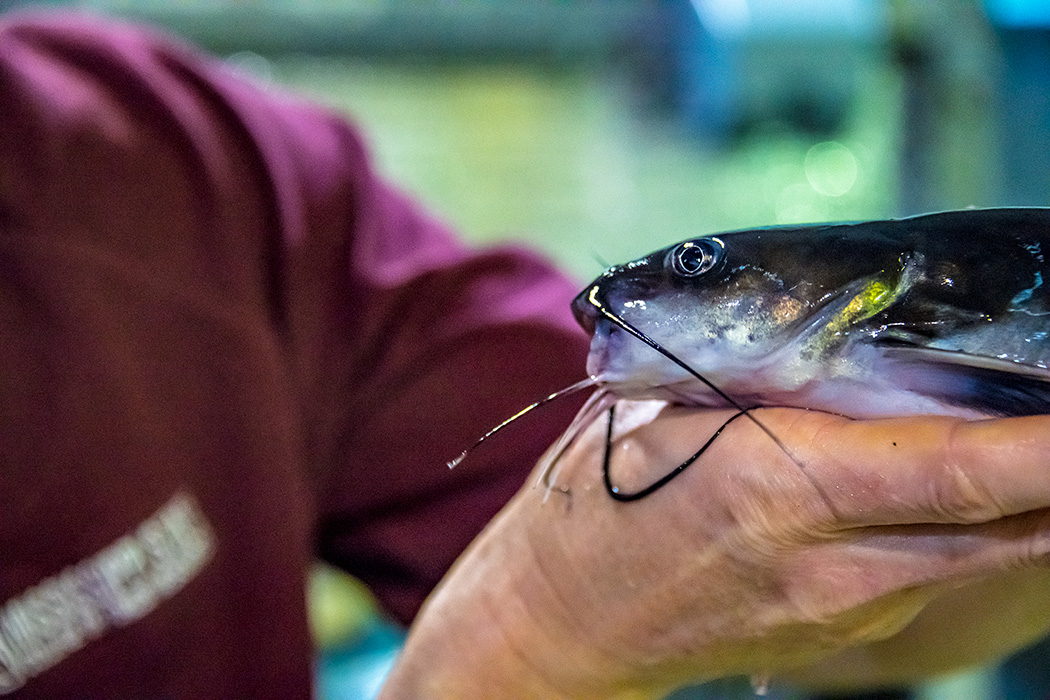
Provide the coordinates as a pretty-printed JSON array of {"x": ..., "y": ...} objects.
[{"x": 599, "y": 130}]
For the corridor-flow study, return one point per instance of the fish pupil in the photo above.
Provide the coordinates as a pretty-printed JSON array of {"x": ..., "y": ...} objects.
[{"x": 694, "y": 258}]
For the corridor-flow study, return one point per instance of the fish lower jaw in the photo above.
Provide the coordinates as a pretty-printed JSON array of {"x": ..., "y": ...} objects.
[
  {"x": 685, "y": 392},
  {"x": 865, "y": 401},
  {"x": 840, "y": 396},
  {"x": 744, "y": 385}
]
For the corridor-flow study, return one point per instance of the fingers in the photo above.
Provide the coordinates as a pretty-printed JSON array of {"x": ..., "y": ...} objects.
[
  {"x": 918, "y": 499},
  {"x": 924, "y": 470},
  {"x": 843, "y": 473},
  {"x": 879, "y": 561},
  {"x": 860, "y": 588},
  {"x": 755, "y": 554}
]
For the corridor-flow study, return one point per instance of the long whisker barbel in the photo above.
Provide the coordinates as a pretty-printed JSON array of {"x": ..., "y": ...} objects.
[
  {"x": 578, "y": 386},
  {"x": 619, "y": 495}
]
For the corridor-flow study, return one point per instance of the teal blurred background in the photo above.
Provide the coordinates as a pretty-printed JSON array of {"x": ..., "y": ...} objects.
[{"x": 599, "y": 130}]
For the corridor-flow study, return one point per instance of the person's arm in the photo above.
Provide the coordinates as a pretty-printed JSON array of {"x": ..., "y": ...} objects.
[
  {"x": 209, "y": 295},
  {"x": 749, "y": 562}
]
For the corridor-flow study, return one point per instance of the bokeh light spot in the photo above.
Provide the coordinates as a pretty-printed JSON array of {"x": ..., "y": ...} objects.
[{"x": 831, "y": 168}]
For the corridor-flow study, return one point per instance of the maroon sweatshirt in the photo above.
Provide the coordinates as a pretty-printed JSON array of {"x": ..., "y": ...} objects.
[{"x": 228, "y": 348}]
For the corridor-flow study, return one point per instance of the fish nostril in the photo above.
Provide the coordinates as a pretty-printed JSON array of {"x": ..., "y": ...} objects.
[{"x": 585, "y": 312}]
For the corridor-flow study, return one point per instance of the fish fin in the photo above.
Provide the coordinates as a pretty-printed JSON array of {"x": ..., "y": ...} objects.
[{"x": 987, "y": 384}]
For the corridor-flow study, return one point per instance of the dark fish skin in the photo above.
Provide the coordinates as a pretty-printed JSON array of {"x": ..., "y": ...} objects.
[{"x": 959, "y": 311}]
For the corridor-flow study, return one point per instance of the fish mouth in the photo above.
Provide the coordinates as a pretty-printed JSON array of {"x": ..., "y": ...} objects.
[
  {"x": 624, "y": 363},
  {"x": 604, "y": 336},
  {"x": 632, "y": 365}
]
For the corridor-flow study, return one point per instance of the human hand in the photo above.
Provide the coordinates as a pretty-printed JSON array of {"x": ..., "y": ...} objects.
[{"x": 750, "y": 562}]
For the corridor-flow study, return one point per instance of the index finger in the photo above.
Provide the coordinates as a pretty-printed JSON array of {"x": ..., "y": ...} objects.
[{"x": 921, "y": 469}]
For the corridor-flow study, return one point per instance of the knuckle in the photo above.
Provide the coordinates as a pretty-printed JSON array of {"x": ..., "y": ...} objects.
[
  {"x": 1034, "y": 554},
  {"x": 957, "y": 495},
  {"x": 1036, "y": 541},
  {"x": 959, "y": 498}
]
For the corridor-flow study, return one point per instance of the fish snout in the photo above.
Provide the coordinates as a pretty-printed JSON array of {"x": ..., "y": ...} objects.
[
  {"x": 585, "y": 310},
  {"x": 634, "y": 280}
]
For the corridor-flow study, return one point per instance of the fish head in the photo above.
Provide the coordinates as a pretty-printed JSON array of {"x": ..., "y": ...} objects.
[
  {"x": 756, "y": 308},
  {"x": 941, "y": 312}
]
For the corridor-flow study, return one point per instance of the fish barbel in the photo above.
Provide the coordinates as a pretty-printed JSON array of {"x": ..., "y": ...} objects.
[{"x": 943, "y": 313}]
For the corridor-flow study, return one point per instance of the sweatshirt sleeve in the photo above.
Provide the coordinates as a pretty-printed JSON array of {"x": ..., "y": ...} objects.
[{"x": 399, "y": 345}]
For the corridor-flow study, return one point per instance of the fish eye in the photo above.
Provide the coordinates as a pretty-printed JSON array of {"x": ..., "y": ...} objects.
[{"x": 694, "y": 258}]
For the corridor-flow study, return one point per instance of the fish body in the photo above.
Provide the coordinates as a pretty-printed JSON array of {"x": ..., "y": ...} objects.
[{"x": 944, "y": 313}]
